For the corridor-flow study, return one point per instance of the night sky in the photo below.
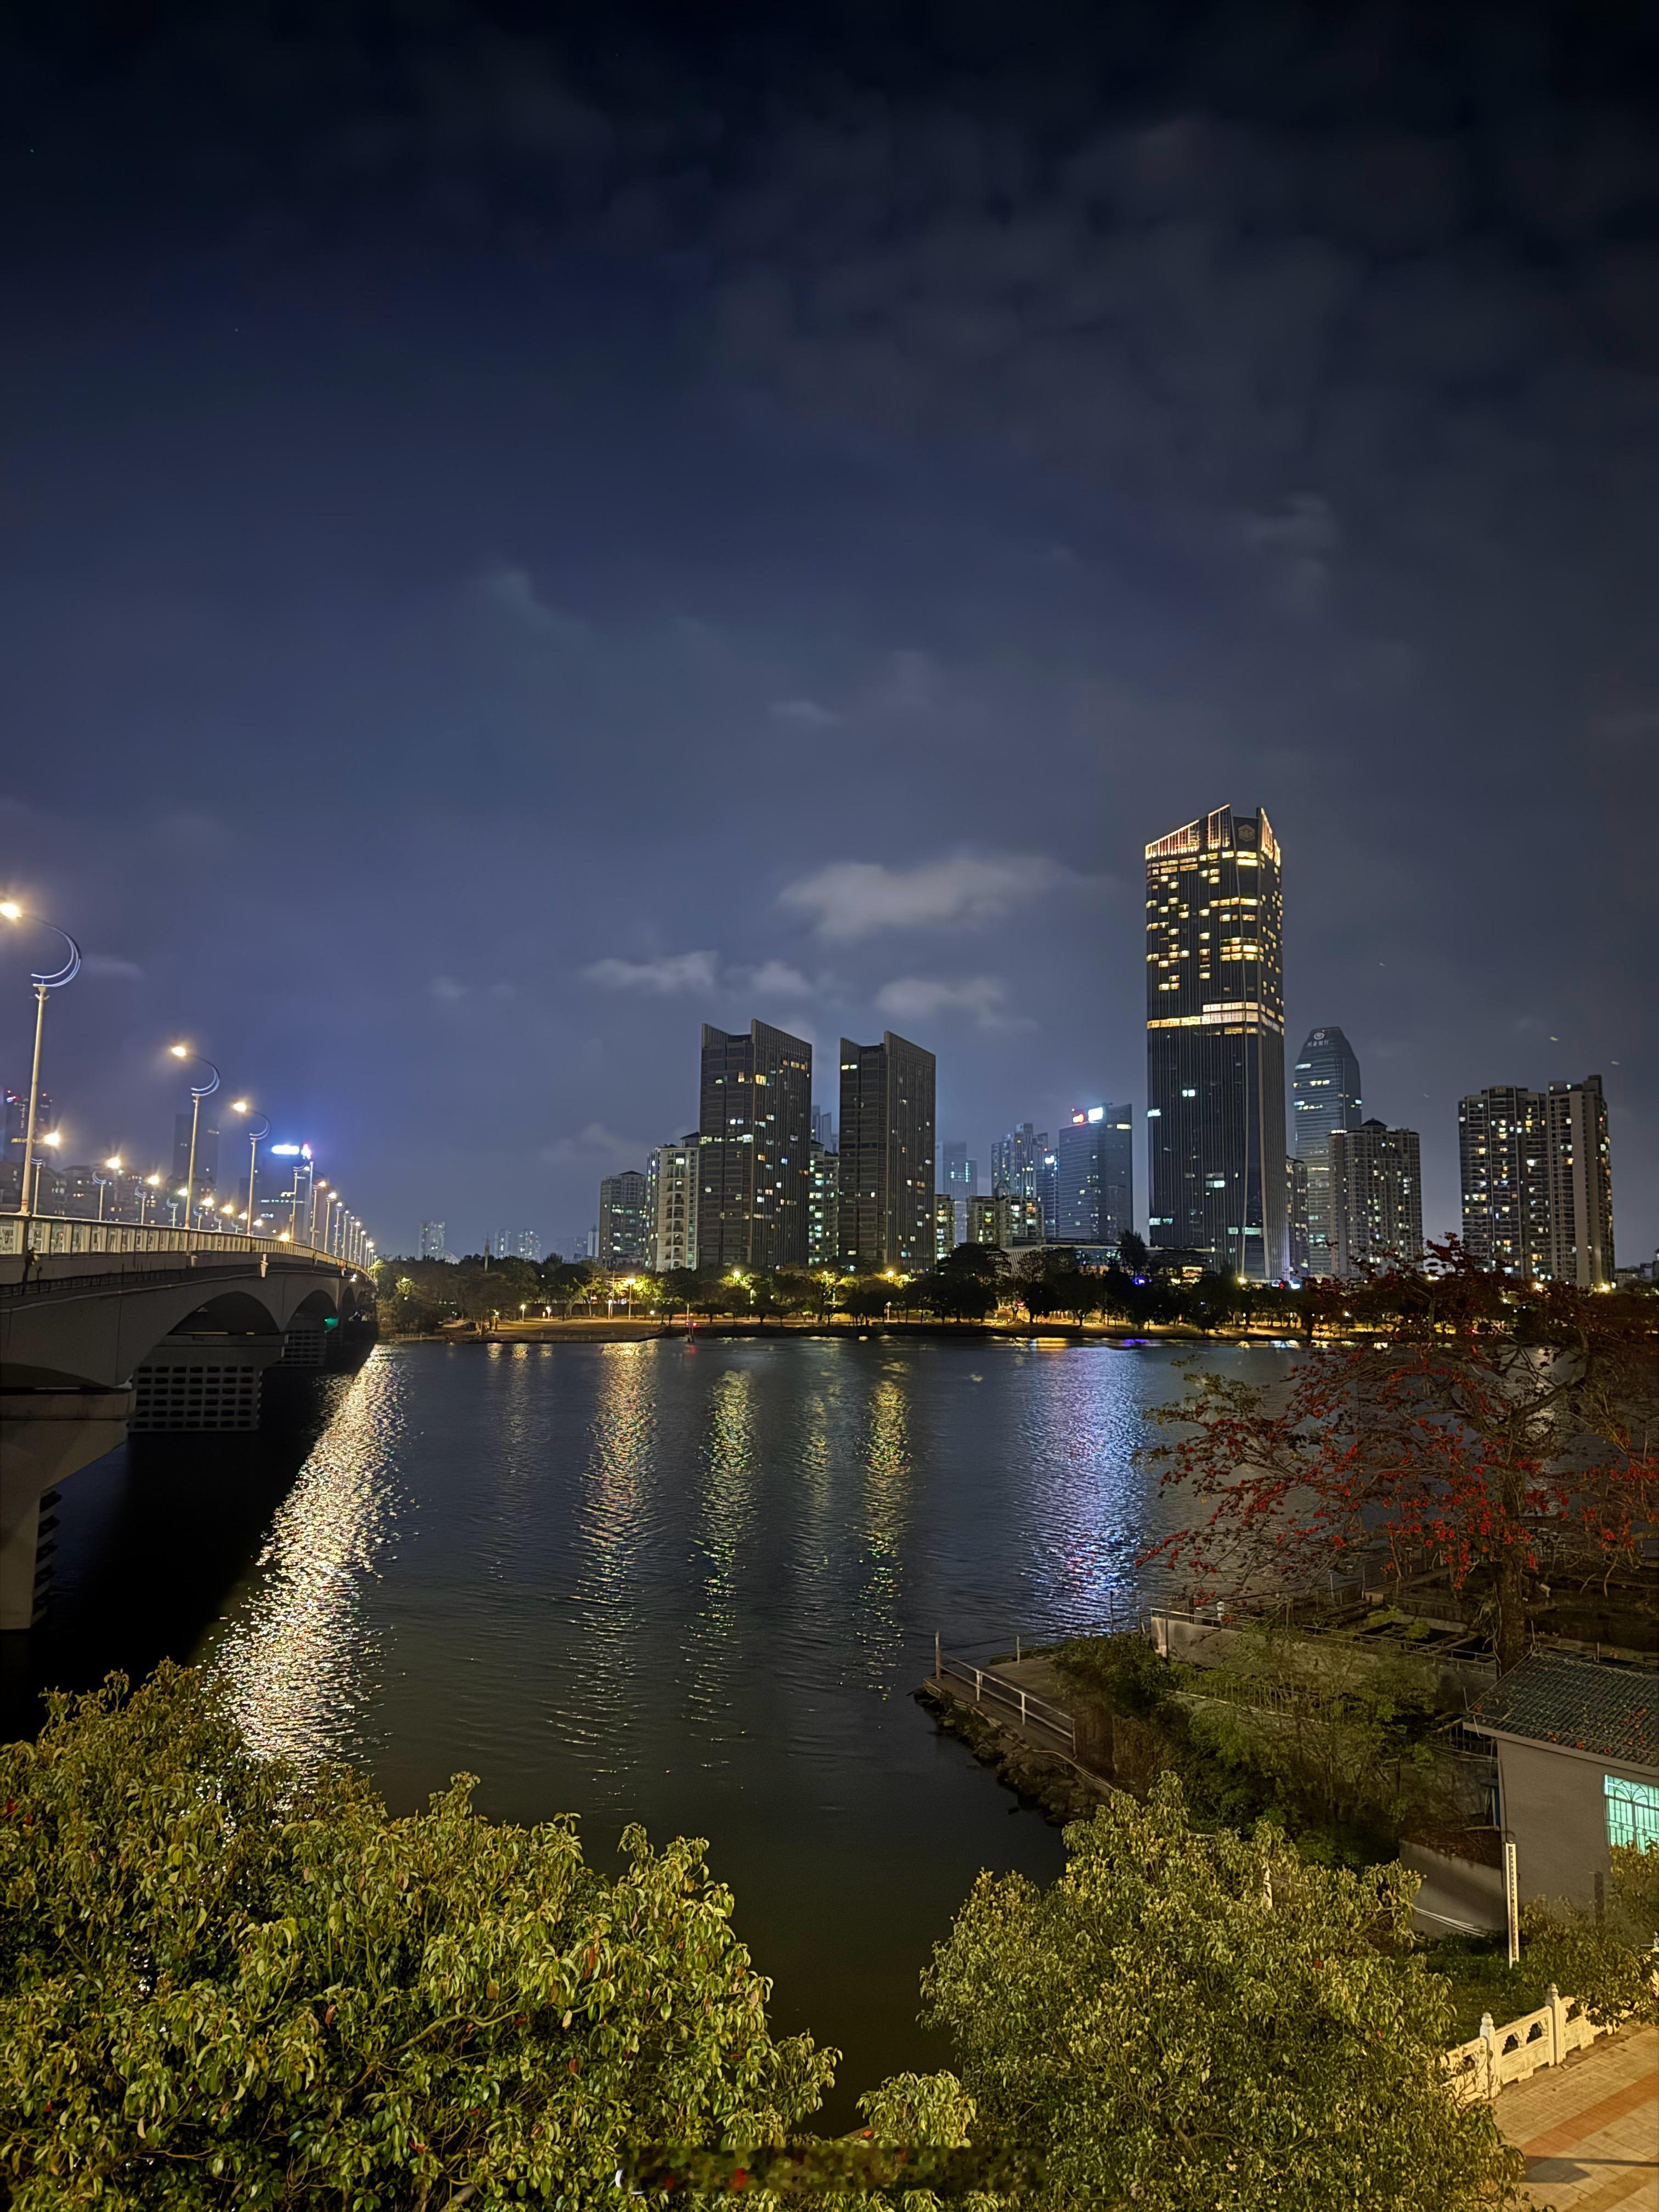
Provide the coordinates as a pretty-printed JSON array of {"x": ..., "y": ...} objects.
[{"x": 519, "y": 542}]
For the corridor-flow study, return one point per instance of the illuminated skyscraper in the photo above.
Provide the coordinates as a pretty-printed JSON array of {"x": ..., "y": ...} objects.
[
  {"x": 886, "y": 1217},
  {"x": 433, "y": 1234},
  {"x": 671, "y": 1204},
  {"x": 755, "y": 1149},
  {"x": 1324, "y": 1098},
  {"x": 1215, "y": 1043}
]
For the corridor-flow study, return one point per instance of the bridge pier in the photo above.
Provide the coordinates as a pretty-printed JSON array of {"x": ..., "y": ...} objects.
[
  {"x": 45, "y": 1435},
  {"x": 203, "y": 1381}
]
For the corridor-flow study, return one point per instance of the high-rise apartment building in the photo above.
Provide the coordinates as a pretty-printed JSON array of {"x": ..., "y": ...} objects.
[
  {"x": 1324, "y": 1098},
  {"x": 671, "y": 1204},
  {"x": 824, "y": 1206},
  {"x": 1094, "y": 1155},
  {"x": 433, "y": 1244},
  {"x": 624, "y": 1226},
  {"x": 823, "y": 1128},
  {"x": 886, "y": 1156},
  {"x": 1537, "y": 1181},
  {"x": 1215, "y": 1043},
  {"x": 944, "y": 1225},
  {"x": 1015, "y": 1162},
  {"x": 755, "y": 1145},
  {"x": 1375, "y": 1197}
]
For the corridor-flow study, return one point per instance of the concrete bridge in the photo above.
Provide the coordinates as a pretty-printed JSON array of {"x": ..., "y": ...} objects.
[{"x": 107, "y": 1327}]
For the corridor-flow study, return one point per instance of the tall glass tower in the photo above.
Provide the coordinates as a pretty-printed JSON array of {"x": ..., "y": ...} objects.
[
  {"x": 1215, "y": 1043},
  {"x": 1324, "y": 1098}
]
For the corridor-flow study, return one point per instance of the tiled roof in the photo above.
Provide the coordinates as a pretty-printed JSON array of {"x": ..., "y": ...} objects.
[{"x": 1582, "y": 1705}]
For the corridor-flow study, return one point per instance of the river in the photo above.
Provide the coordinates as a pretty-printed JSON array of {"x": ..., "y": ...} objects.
[{"x": 694, "y": 1587}]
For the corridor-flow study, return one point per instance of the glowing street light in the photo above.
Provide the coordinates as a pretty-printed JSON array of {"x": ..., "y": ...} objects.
[
  {"x": 44, "y": 981},
  {"x": 149, "y": 1183},
  {"x": 198, "y": 1093}
]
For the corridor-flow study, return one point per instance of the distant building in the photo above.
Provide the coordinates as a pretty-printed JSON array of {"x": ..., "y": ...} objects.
[
  {"x": 1324, "y": 1097},
  {"x": 624, "y": 1232},
  {"x": 1215, "y": 1043},
  {"x": 944, "y": 1225},
  {"x": 207, "y": 1149},
  {"x": 433, "y": 1240},
  {"x": 518, "y": 1245},
  {"x": 959, "y": 1177},
  {"x": 672, "y": 1176},
  {"x": 1094, "y": 1154},
  {"x": 1004, "y": 1220},
  {"x": 16, "y": 1104},
  {"x": 754, "y": 1172},
  {"x": 1047, "y": 1193},
  {"x": 1537, "y": 1181},
  {"x": 1375, "y": 1197},
  {"x": 823, "y": 1128},
  {"x": 1016, "y": 1160},
  {"x": 1296, "y": 1235},
  {"x": 823, "y": 1205},
  {"x": 887, "y": 1092}
]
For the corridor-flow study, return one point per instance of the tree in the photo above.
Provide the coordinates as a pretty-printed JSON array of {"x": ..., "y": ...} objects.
[
  {"x": 1187, "y": 2019},
  {"x": 1132, "y": 1252},
  {"x": 223, "y": 1984},
  {"x": 1504, "y": 1432}
]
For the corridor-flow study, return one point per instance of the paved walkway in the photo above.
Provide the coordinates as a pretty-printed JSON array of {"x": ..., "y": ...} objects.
[{"x": 1589, "y": 2129}]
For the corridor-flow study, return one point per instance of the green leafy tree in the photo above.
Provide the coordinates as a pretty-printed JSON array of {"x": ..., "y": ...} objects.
[
  {"x": 223, "y": 1984},
  {"x": 1606, "y": 1958},
  {"x": 1189, "y": 2019}
]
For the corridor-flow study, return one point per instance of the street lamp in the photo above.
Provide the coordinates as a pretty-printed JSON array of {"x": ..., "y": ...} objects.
[
  {"x": 114, "y": 1164},
  {"x": 258, "y": 1129},
  {"x": 52, "y": 1138},
  {"x": 10, "y": 911},
  {"x": 199, "y": 1091},
  {"x": 149, "y": 1182},
  {"x": 317, "y": 1190}
]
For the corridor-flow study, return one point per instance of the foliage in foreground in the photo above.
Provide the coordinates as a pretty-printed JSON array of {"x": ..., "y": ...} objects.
[
  {"x": 219, "y": 1985},
  {"x": 222, "y": 1985},
  {"x": 1187, "y": 2019}
]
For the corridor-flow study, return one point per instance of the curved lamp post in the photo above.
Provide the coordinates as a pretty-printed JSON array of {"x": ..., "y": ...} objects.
[
  {"x": 199, "y": 1091},
  {"x": 257, "y": 1130},
  {"x": 54, "y": 981},
  {"x": 114, "y": 1164}
]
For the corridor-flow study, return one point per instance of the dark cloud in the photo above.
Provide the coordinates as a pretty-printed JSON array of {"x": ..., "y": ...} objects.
[{"x": 504, "y": 501}]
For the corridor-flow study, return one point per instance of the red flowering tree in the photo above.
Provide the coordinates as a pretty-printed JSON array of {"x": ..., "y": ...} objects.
[{"x": 1506, "y": 1433}]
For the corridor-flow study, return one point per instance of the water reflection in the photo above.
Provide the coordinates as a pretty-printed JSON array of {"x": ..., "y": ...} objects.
[
  {"x": 886, "y": 1496},
  {"x": 297, "y": 1656},
  {"x": 611, "y": 1532}
]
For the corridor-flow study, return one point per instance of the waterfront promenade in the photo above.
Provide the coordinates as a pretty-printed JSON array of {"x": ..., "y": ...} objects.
[{"x": 1589, "y": 2129}]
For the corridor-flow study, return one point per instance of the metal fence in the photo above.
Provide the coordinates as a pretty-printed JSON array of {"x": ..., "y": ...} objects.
[
  {"x": 990, "y": 1688},
  {"x": 50, "y": 1235}
]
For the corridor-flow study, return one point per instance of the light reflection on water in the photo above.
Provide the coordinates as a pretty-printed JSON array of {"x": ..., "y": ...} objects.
[
  {"x": 298, "y": 1656},
  {"x": 696, "y": 1587}
]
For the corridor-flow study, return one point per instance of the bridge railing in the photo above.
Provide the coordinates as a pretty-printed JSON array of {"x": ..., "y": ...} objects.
[{"x": 49, "y": 1235}]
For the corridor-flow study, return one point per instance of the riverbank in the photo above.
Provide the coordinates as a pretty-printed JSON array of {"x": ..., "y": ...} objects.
[{"x": 619, "y": 1329}]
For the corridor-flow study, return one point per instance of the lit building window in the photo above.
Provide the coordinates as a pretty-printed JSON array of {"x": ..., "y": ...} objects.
[{"x": 1632, "y": 1812}]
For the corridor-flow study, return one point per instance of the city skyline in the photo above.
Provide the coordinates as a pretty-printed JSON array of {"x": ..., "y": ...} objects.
[{"x": 409, "y": 559}]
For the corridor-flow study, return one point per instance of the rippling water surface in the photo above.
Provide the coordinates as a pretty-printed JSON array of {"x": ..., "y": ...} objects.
[{"x": 696, "y": 1588}]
